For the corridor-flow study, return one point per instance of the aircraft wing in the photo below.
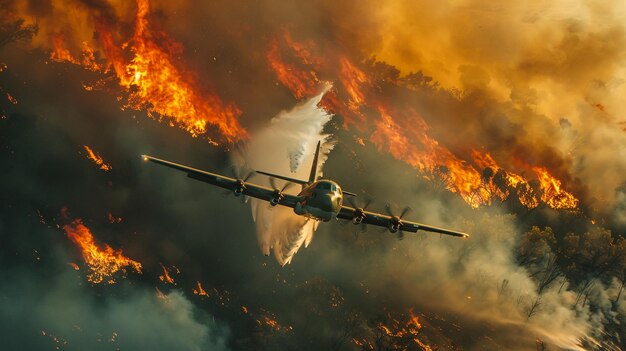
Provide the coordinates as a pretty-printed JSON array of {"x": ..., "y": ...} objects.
[
  {"x": 249, "y": 189},
  {"x": 381, "y": 220}
]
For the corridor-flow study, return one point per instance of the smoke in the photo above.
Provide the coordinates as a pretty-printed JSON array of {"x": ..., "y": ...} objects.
[
  {"x": 533, "y": 83},
  {"x": 59, "y": 313},
  {"x": 286, "y": 147},
  {"x": 478, "y": 278},
  {"x": 510, "y": 61}
]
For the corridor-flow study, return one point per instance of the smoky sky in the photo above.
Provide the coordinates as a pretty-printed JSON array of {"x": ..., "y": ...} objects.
[{"x": 175, "y": 221}]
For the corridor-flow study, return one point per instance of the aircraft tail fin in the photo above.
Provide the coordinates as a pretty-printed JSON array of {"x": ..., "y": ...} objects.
[
  {"x": 313, "y": 174},
  {"x": 304, "y": 183}
]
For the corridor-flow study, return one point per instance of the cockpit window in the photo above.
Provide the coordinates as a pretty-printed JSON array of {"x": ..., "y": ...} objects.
[
  {"x": 333, "y": 187},
  {"x": 324, "y": 186}
]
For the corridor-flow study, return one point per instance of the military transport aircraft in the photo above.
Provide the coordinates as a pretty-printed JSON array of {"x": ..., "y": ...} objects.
[{"x": 320, "y": 199}]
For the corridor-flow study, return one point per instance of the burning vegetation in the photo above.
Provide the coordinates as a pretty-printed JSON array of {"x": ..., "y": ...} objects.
[
  {"x": 147, "y": 65},
  {"x": 97, "y": 159},
  {"x": 383, "y": 109},
  {"x": 166, "y": 277},
  {"x": 148, "y": 68},
  {"x": 403, "y": 133},
  {"x": 103, "y": 261}
]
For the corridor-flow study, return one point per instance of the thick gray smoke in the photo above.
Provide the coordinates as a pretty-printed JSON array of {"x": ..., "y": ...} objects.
[{"x": 62, "y": 314}]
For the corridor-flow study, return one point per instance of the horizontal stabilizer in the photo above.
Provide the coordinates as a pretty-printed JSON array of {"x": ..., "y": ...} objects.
[{"x": 293, "y": 180}]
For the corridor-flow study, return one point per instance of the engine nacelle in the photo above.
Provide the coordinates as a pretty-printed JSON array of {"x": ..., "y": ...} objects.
[
  {"x": 359, "y": 215},
  {"x": 394, "y": 227},
  {"x": 239, "y": 187},
  {"x": 277, "y": 197}
]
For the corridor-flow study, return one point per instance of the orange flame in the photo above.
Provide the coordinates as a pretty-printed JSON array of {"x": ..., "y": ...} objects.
[
  {"x": 156, "y": 83},
  {"x": 406, "y": 138},
  {"x": 400, "y": 330},
  {"x": 301, "y": 83},
  {"x": 60, "y": 53},
  {"x": 153, "y": 79},
  {"x": 97, "y": 159},
  {"x": 500, "y": 181},
  {"x": 273, "y": 323},
  {"x": 165, "y": 277},
  {"x": 553, "y": 195},
  {"x": 410, "y": 142},
  {"x": 353, "y": 79},
  {"x": 199, "y": 290},
  {"x": 103, "y": 262}
]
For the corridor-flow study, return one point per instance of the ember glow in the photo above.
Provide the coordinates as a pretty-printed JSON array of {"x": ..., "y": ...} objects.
[
  {"x": 166, "y": 277},
  {"x": 103, "y": 261},
  {"x": 11, "y": 99},
  {"x": 397, "y": 332},
  {"x": 198, "y": 290},
  {"x": 97, "y": 159},
  {"x": 268, "y": 320}
]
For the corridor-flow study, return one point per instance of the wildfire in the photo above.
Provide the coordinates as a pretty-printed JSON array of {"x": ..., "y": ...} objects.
[
  {"x": 410, "y": 143},
  {"x": 300, "y": 82},
  {"x": 273, "y": 324},
  {"x": 145, "y": 62},
  {"x": 103, "y": 261},
  {"x": 97, "y": 159},
  {"x": 407, "y": 137},
  {"x": 352, "y": 79},
  {"x": 498, "y": 181},
  {"x": 153, "y": 80},
  {"x": 165, "y": 277},
  {"x": 552, "y": 194},
  {"x": 60, "y": 53},
  {"x": 199, "y": 290},
  {"x": 401, "y": 333}
]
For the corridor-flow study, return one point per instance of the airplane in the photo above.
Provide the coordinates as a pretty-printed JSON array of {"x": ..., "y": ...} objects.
[{"x": 319, "y": 199}]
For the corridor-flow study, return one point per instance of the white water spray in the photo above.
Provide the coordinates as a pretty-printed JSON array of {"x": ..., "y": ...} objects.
[{"x": 286, "y": 146}]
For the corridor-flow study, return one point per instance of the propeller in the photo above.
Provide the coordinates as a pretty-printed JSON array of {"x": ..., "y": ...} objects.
[
  {"x": 278, "y": 195},
  {"x": 359, "y": 212},
  {"x": 240, "y": 183},
  {"x": 395, "y": 222}
]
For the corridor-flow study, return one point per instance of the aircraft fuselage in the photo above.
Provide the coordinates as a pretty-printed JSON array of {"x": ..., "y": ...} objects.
[{"x": 321, "y": 200}]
